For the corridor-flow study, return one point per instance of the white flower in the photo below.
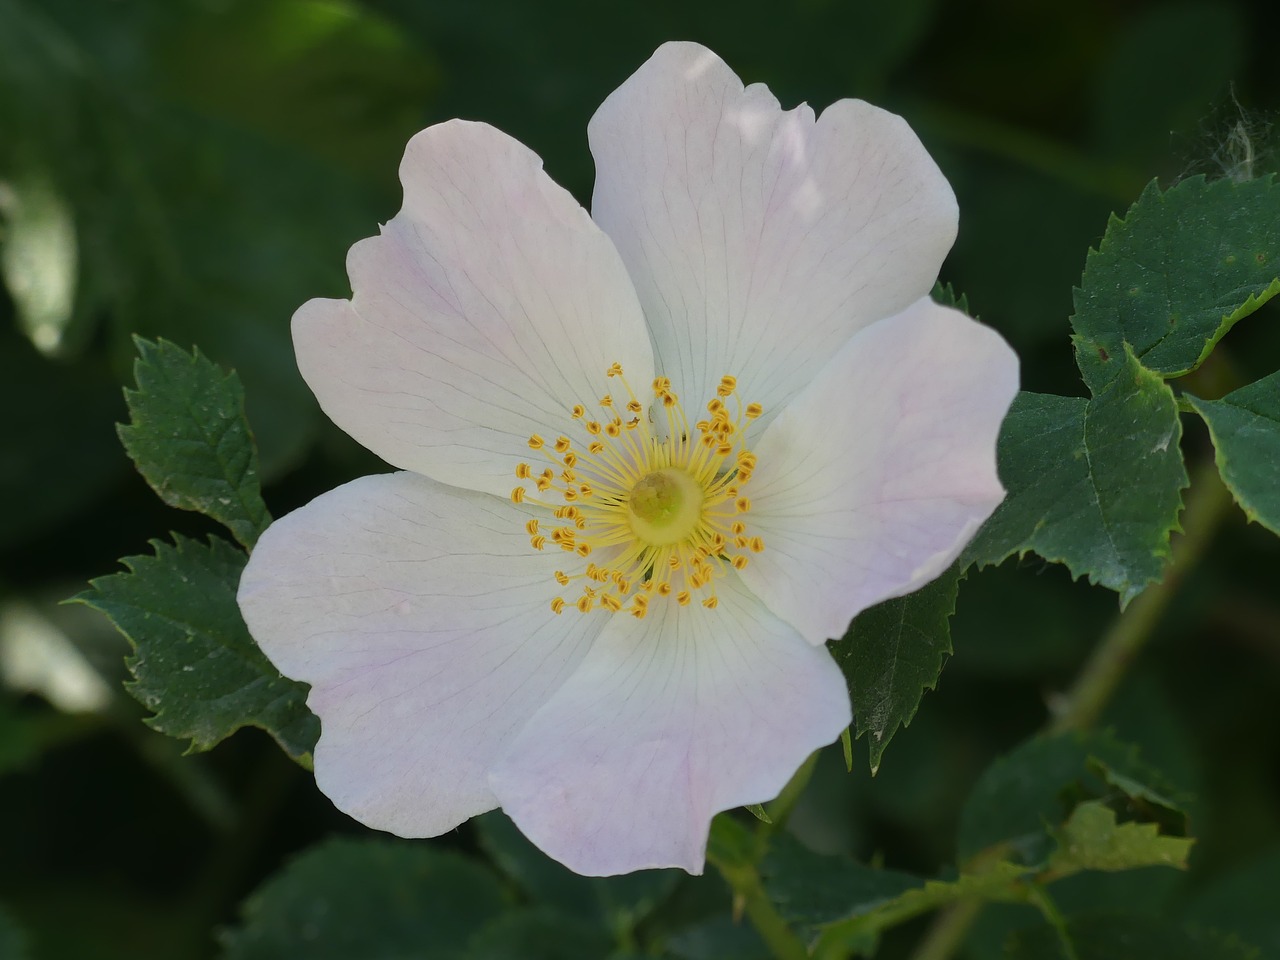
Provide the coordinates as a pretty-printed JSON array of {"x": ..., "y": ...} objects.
[{"x": 606, "y": 615}]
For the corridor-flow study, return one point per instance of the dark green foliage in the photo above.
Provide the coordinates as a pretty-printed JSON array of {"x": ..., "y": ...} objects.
[{"x": 194, "y": 664}]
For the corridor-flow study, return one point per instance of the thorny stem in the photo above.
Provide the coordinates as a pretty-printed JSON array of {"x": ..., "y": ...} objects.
[{"x": 1082, "y": 705}]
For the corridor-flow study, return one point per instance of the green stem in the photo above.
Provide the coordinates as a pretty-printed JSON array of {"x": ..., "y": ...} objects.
[
  {"x": 1082, "y": 705},
  {"x": 780, "y": 809},
  {"x": 750, "y": 898}
]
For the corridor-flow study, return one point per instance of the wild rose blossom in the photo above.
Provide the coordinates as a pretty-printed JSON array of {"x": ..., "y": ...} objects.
[{"x": 653, "y": 461}]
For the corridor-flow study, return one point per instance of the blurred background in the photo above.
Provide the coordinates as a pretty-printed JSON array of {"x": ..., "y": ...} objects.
[{"x": 196, "y": 169}]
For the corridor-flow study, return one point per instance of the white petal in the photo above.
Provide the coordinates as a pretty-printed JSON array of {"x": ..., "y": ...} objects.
[
  {"x": 872, "y": 481},
  {"x": 669, "y": 720},
  {"x": 419, "y": 614},
  {"x": 488, "y": 307},
  {"x": 760, "y": 240}
]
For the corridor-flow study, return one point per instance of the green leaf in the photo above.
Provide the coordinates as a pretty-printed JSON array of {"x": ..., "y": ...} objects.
[
  {"x": 1091, "y": 839},
  {"x": 1243, "y": 900},
  {"x": 1126, "y": 938},
  {"x": 892, "y": 654},
  {"x": 373, "y": 899},
  {"x": 1094, "y": 484},
  {"x": 613, "y": 902},
  {"x": 194, "y": 663},
  {"x": 813, "y": 889},
  {"x": 537, "y": 934},
  {"x": 189, "y": 438},
  {"x": 1021, "y": 798},
  {"x": 945, "y": 294},
  {"x": 846, "y": 902},
  {"x": 1245, "y": 426},
  {"x": 1172, "y": 277}
]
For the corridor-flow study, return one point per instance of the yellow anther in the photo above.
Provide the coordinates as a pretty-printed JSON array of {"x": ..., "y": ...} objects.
[
  {"x": 585, "y": 490},
  {"x": 583, "y": 550},
  {"x": 562, "y": 444},
  {"x": 523, "y": 472},
  {"x": 756, "y": 544},
  {"x": 517, "y": 495},
  {"x": 746, "y": 458},
  {"x": 673, "y": 562},
  {"x": 531, "y": 527},
  {"x": 669, "y": 399},
  {"x": 715, "y": 405},
  {"x": 593, "y": 428},
  {"x": 568, "y": 476},
  {"x": 613, "y": 428},
  {"x": 728, "y": 384},
  {"x": 557, "y": 605},
  {"x": 538, "y": 542},
  {"x": 703, "y": 426},
  {"x": 724, "y": 449},
  {"x": 632, "y": 423},
  {"x": 562, "y": 578},
  {"x": 738, "y": 527},
  {"x": 585, "y": 603},
  {"x": 708, "y": 440},
  {"x": 683, "y": 598},
  {"x": 754, "y": 410},
  {"x": 744, "y": 474},
  {"x": 570, "y": 459},
  {"x": 612, "y": 602},
  {"x": 580, "y": 522},
  {"x": 578, "y": 411},
  {"x": 661, "y": 385},
  {"x": 596, "y": 447},
  {"x": 535, "y": 442},
  {"x": 614, "y": 371},
  {"x": 542, "y": 483},
  {"x": 606, "y": 401},
  {"x": 740, "y": 542},
  {"x": 711, "y": 602},
  {"x": 739, "y": 561},
  {"x": 742, "y": 504},
  {"x": 634, "y": 406},
  {"x": 664, "y": 589}
]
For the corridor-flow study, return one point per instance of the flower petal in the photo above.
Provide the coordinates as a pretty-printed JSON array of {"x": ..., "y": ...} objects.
[
  {"x": 669, "y": 720},
  {"x": 488, "y": 307},
  {"x": 419, "y": 615},
  {"x": 760, "y": 240},
  {"x": 872, "y": 481}
]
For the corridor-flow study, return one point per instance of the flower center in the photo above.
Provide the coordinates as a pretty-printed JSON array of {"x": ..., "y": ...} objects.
[{"x": 652, "y": 513}]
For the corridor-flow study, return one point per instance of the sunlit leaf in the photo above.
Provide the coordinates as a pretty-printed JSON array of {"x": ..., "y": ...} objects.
[
  {"x": 1171, "y": 278},
  {"x": 194, "y": 663},
  {"x": 1091, "y": 839},
  {"x": 189, "y": 438}
]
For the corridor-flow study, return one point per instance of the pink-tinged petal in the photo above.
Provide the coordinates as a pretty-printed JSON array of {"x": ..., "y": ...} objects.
[
  {"x": 761, "y": 240},
  {"x": 669, "y": 720},
  {"x": 872, "y": 481},
  {"x": 487, "y": 308},
  {"x": 419, "y": 615}
]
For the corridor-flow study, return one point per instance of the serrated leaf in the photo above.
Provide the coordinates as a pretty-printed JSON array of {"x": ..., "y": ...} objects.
[
  {"x": 844, "y": 901},
  {"x": 892, "y": 654},
  {"x": 1022, "y": 797},
  {"x": 1094, "y": 484},
  {"x": 194, "y": 663},
  {"x": 1126, "y": 938},
  {"x": 945, "y": 294},
  {"x": 373, "y": 899},
  {"x": 189, "y": 438},
  {"x": 1171, "y": 278},
  {"x": 1091, "y": 839},
  {"x": 1245, "y": 426}
]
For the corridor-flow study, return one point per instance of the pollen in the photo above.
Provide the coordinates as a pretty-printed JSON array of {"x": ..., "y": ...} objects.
[{"x": 652, "y": 505}]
